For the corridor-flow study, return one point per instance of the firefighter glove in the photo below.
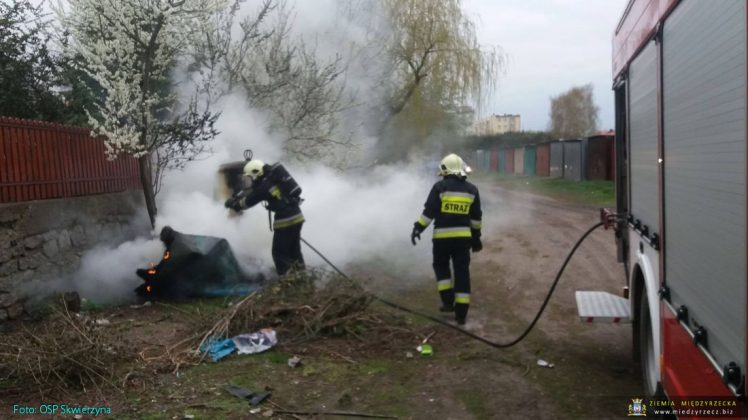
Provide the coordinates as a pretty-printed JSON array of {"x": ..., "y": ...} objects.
[
  {"x": 416, "y": 234},
  {"x": 233, "y": 203},
  {"x": 476, "y": 245}
]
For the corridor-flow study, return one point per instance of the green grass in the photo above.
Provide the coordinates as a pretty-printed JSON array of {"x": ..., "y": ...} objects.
[
  {"x": 597, "y": 193},
  {"x": 474, "y": 402}
]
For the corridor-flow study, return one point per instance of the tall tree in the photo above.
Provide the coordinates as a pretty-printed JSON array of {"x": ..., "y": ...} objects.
[
  {"x": 256, "y": 56},
  {"x": 36, "y": 81},
  {"x": 129, "y": 48},
  {"x": 28, "y": 76},
  {"x": 574, "y": 113},
  {"x": 434, "y": 64}
]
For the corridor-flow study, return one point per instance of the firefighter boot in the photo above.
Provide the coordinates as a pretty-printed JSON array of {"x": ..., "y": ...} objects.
[
  {"x": 448, "y": 300},
  {"x": 461, "y": 311}
]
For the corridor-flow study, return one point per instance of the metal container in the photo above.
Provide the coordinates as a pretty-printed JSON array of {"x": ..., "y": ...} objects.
[
  {"x": 530, "y": 159},
  {"x": 509, "y": 161},
  {"x": 519, "y": 160},
  {"x": 556, "y": 168},
  {"x": 573, "y": 160},
  {"x": 543, "y": 160},
  {"x": 600, "y": 157}
]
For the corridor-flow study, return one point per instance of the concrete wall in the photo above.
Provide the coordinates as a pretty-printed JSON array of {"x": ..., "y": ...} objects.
[{"x": 45, "y": 239}]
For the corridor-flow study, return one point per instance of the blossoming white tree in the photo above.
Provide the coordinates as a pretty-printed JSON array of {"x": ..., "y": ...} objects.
[
  {"x": 302, "y": 94},
  {"x": 130, "y": 48}
]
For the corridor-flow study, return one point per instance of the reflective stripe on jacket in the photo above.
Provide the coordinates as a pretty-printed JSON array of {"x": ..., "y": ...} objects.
[
  {"x": 287, "y": 212},
  {"x": 454, "y": 206}
]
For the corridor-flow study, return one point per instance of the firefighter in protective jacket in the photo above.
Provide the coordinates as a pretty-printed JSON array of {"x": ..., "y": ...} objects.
[
  {"x": 454, "y": 206},
  {"x": 288, "y": 219}
]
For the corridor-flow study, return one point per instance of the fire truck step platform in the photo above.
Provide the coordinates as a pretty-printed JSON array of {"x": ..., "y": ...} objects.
[{"x": 602, "y": 307}]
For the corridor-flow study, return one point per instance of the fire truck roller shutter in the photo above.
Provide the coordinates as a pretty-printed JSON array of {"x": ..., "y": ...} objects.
[
  {"x": 704, "y": 88},
  {"x": 643, "y": 137}
]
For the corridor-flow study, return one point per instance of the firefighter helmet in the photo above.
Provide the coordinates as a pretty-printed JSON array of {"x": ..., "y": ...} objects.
[
  {"x": 452, "y": 165},
  {"x": 253, "y": 169}
]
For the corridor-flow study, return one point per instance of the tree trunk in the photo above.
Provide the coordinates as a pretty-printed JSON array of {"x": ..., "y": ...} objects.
[{"x": 144, "y": 162}]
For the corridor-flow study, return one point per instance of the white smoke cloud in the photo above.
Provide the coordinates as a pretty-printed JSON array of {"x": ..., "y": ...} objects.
[
  {"x": 350, "y": 217},
  {"x": 107, "y": 275},
  {"x": 355, "y": 219}
]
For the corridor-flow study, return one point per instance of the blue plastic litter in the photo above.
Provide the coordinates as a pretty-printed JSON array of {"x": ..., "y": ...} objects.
[{"x": 218, "y": 348}]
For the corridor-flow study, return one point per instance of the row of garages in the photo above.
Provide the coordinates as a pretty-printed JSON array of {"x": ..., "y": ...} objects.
[{"x": 586, "y": 159}]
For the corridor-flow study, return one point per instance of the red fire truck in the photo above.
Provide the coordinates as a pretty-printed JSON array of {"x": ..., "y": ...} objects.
[{"x": 680, "y": 83}]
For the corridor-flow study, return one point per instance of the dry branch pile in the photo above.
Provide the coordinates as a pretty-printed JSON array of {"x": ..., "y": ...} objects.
[
  {"x": 306, "y": 305},
  {"x": 68, "y": 351},
  {"x": 301, "y": 306}
]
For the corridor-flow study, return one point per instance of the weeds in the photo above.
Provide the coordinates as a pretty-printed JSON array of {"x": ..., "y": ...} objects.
[{"x": 70, "y": 352}]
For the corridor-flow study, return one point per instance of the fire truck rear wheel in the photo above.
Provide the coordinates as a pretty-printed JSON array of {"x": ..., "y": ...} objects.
[{"x": 650, "y": 373}]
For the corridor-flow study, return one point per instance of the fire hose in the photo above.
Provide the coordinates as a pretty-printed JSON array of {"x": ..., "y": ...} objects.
[{"x": 606, "y": 222}]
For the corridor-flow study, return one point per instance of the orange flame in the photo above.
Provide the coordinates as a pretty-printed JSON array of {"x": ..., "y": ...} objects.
[
  {"x": 148, "y": 289},
  {"x": 167, "y": 255},
  {"x": 152, "y": 270}
]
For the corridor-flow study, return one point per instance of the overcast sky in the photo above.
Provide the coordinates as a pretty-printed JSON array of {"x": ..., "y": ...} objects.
[{"x": 552, "y": 45}]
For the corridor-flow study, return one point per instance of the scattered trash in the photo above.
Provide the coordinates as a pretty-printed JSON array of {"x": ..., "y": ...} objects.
[
  {"x": 255, "y": 410},
  {"x": 259, "y": 398},
  {"x": 102, "y": 321},
  {"x": 268, "y": 413},
  {"x": 425, "y": 350},
  {"x": 189, "y": 416},
  {"x": 218, "y": 349},
  {"x": 294, "y": 361},
  {"x": 146, "y": 303},
  {"x": 543, "y": 363},
  {"x": 245, "y": 343},
  {"x": 256, "y": 342},
  {"x": 254, "y": 398},
  {"x": 239, "y": 392}
]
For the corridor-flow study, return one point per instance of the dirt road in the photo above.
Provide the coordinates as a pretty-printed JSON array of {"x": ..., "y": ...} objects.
[
  {"x": 526, "y": 239},
  {"x": 594, "y": 374}
]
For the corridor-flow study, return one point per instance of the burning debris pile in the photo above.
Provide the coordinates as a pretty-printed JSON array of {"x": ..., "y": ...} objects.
[{"x": 195, "y": 266}]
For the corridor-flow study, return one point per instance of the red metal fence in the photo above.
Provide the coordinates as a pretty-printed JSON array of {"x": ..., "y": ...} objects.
[{"x": 40, "y": 160}]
